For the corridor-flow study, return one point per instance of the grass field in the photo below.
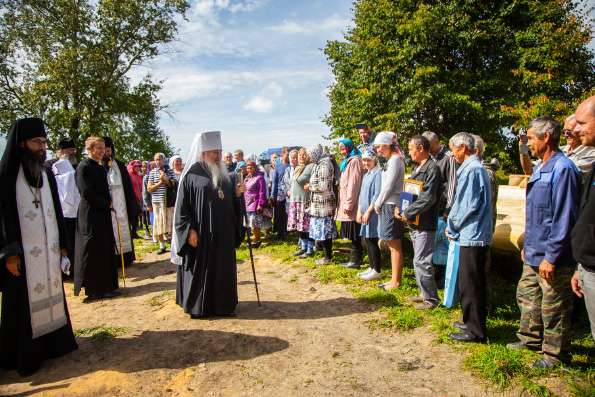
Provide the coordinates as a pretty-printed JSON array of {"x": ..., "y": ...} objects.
[{"x": 500, "y": 367}]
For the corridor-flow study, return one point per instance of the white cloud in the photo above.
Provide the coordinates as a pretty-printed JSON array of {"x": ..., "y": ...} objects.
[
  {"x": 210, "y": 7},
  {"x": 259, "y": 104},
  {"x": 332, "y": 23}
]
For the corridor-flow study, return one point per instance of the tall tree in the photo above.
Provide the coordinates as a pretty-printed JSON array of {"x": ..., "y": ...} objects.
[
  {"x": 68, "y": 61},
  {"x": 467, "y": 65}
]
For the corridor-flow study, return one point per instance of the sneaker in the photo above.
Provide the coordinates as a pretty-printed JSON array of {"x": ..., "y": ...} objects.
[
  {"x": 323, "y": 261},
  {"x": 520, "y": 346},
  {"x": 368, "y": 270},
  {"x": 351, "y": 265},
  {"x": 372, "y": 275},
  {"x": 546, "y": 363},
  {"x": 415, "y": 299},
  {"x": 460, "y": 325},
  {"x": 299, "y": 253},
  {"x": 306, "y": 255}
]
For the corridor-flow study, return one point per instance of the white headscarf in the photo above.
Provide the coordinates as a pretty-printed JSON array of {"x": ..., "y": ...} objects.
[
  {"x": 202, "y": 142},
  {"x": 172, "y": 162},
  {"x": 67, "y": 190}
]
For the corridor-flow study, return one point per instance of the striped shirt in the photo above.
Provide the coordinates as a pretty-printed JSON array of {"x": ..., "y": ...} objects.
[{"x": 158, "y": 195}]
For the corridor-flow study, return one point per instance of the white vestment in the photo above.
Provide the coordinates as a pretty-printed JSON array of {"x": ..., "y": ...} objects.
[
  {"x": 67, "y": 190},
  {"x": 114, "y": 178},
  {"x": 41, "y": 250}
]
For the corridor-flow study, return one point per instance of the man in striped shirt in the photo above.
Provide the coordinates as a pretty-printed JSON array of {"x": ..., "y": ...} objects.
[{"x": 160, "y": 178}]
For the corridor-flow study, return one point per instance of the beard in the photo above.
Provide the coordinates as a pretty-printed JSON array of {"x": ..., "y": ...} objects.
[
  {"x": 70, "y": 157},
  {"x": 33, "y": 165},
  {"x": 218, "y": 172}
]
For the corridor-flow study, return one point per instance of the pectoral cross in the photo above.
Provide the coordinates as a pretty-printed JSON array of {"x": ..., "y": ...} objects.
[{"x": 36, "y": 202}]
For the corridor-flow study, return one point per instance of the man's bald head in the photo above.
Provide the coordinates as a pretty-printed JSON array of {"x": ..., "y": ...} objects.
[{"x": 585, "y": 121}]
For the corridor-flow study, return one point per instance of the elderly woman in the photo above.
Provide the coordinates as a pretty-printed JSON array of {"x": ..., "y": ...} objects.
[
  {"x": 176, "y": 164},
  {"x": 255, "y": 196},
  {"x": 349, "y": 186},
  {"x": 390, "y": 229},
  {"x": 323, "y": 203},
  {"x": 366, "y": 215},
  {"x": 299, "y": 203}
]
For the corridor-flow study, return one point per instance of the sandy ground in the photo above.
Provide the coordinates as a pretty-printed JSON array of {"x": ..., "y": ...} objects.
[{"x": 306, "y": 339}]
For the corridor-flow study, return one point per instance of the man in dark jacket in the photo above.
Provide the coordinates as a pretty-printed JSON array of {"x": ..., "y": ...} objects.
[
  {"x": 421, "y": 217},
  {"x": 583, "y": 233}
]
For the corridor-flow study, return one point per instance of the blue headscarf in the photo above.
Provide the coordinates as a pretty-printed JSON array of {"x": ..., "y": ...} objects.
[{"x": 351, "y": 151}]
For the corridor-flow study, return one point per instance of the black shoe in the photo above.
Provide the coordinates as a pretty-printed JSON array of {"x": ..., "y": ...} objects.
[
  {"x": 256, "y": 244},
  {"x": 161, "y": 251},
  {"x": 465, "y": 337},
  {"x": 112, "y": 294},
  {"x": 300, "y": 252},
  {"x": 460, "y": 326}
]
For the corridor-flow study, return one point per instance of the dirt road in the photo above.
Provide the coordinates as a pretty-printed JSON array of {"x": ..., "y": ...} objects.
[{"x": 306, "y": 339}]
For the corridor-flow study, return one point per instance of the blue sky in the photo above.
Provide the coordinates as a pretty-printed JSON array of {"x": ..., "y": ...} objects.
[{"x": 253, "y": 69}]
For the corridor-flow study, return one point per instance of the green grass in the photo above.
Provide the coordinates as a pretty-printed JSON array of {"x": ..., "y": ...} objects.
[
  {"x": 500, "y": 367},
  {"x": 102, "y": 333}
]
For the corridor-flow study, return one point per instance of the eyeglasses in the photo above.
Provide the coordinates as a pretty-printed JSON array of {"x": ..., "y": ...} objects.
[
  {"x": 39, "y": 141},
  {"x": 568, "y": 133}
]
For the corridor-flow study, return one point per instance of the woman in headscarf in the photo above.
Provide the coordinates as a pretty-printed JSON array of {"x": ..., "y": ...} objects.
[
  {"x": 176, "y": 164},
  {"x": 134, "y": 169},
  {"x": 366, "y": 215},
  {"x": 299, "y": 203},
  {"x": 323, "y": 203},
  {"x": 390, "y": 229},
  {"x": 255, "y": 197},
  {"x": 351, "y": 168}
]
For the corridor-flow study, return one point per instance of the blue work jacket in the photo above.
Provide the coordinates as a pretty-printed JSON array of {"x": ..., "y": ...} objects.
[
  {"x": 470, "y": 218},
  {"x": 551, "y": 211}
]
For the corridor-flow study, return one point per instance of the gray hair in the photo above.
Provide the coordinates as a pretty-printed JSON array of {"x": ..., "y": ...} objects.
[
  {"x": 546, "y": 125},
  {"x": 430, "y": 136},
  {"x": 293, "y": 151},
  {"x": 161, "y": 155},
  {"x": 479, "y": 144},
  {"x": 571, "y": 117},
  {"x": 462, "y": 138}
]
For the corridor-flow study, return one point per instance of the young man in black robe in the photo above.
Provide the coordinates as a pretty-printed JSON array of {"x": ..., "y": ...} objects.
[
  {"x": 35, "y": 323},
  {"x": 207, "y": 229},
  {"x": 124, "y": 215},
  {"x": 94, "y": 263}
]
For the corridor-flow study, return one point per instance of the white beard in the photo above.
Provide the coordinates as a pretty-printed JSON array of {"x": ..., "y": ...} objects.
[{"x": 218, "y": 172}]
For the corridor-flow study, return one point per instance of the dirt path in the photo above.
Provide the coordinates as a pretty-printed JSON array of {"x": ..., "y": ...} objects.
[{"x": 306, "y": 339}]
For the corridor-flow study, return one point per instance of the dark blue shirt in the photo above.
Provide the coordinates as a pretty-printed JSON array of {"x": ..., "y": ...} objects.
[{"x": 551, "y": 211}]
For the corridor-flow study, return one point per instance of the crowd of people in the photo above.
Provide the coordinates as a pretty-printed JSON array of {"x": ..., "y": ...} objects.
[{"x": 87, "y": 214}]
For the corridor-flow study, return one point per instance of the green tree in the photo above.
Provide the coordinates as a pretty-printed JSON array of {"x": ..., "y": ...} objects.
[
  {"x": 468, "y": 65},
  {"x": 68, "y": 61}
]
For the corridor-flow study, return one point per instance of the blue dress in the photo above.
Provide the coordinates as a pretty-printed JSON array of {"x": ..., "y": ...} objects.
[{"x": 368, "y": 194}]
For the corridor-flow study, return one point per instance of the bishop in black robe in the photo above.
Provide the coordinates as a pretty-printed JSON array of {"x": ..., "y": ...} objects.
[
  {"x": 95, "y": 267},
  {"x": 207, "y": 278},
  {"x": 25, "y": 344}
]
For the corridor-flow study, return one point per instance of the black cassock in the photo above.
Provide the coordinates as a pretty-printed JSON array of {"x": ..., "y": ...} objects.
[
  {"x": 95, "y": 267},
  {"x": 18, "y": 349},
  {"x": 207, "y": 278}
]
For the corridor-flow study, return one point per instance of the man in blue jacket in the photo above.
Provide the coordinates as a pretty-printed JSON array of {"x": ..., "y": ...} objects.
[
  {"x": 544, "y": 294},
  {"x": 470, "y": 223}
]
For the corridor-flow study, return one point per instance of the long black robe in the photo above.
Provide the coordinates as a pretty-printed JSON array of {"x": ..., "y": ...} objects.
[
  {"x": 95, "y": 267},
  {"x": 207, "y": 278},
  {"x": 18, "y": 349},
  {"x": 131, "y": 210}
]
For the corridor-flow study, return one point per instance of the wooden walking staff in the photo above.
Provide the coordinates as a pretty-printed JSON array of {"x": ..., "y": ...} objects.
[
  {"x": 120, "y": 250},
  {"x": 249, "y": 235}
]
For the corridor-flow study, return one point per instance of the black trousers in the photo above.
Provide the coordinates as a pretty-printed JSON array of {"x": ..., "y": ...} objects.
[
  {"x": 373, "y": 253},
  {"x": 328, "y": 248},
  {"x": 471, "y": 283},
  {"x": 357, "y": 251},
  {"x": 70, "y": 226},
  {"x": 280, "y": 219}
]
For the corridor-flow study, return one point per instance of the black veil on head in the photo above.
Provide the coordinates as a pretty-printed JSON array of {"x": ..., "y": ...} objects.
[{"x": 20, "y": 131}]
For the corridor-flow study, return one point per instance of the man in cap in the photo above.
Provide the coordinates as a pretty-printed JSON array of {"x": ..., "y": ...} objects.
[
  {"x": 207, "y": 230},
  {"x": 67, "y": 151},
  {"x": 35, "y": 323}
]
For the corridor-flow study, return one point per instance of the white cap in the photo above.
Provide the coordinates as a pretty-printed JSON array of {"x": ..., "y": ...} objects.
[
  {"x": 210, "y": 140},
  {"x": 385, "y": 138}
]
